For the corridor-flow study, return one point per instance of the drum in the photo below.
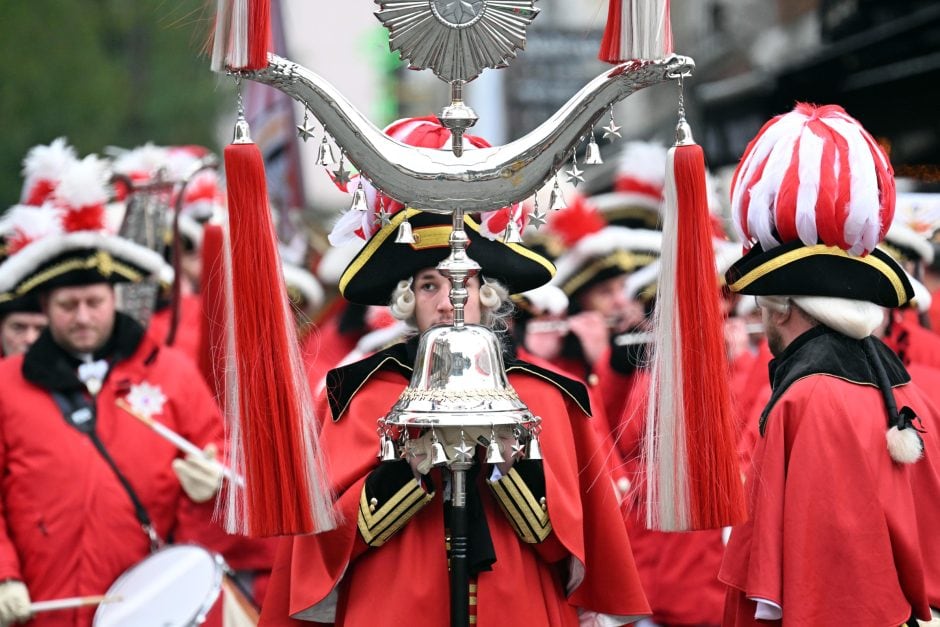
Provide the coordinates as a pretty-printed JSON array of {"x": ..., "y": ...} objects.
[{"x": 174, "y": 587}]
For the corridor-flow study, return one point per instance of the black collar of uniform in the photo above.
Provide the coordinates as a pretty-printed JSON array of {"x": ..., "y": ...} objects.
[
  {"x": 822, "y": 350},
  {"x": 50, "y": 367},
  {"x": 343, "y": 383}
]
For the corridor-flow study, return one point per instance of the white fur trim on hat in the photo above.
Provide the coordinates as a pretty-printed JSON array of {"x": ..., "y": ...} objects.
[
  {"x": 19, "y": 266},
  {"x": 189, "y": 228},
  {"x": 922, "y": 297},
  {"x": 902, "y": 235},
  {"x": 335, "y": 259},
  {"x": 547, "y": 299},
  {"x": 604, "y": 242},
  {"x": 306, "y": 283},
  {"x": 642, "y": 278},
  {"x": 612, "y": 201}
]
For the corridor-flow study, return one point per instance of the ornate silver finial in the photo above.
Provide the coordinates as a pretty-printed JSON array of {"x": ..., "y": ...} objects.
[{"x": 456, "y": 39}]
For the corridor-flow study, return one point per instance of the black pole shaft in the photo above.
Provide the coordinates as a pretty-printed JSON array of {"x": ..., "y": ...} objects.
[{"x": 459, "y": 573}]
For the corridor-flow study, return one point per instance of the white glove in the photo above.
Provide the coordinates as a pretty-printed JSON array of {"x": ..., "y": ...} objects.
[
  {"x": 14, "y": 602},
  {"x": 200, "y": 475}
]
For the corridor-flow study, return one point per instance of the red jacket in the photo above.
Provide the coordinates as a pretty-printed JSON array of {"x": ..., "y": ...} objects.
[
  {"x": 68, "y": 527},
  {"x": 839, "y": 533},
  {"x": 405, "y": 580}
]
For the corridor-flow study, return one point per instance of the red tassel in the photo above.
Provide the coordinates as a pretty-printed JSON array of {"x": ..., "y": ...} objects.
[
  {"x": 694, "y": 477},
  {"x": 212, "y": 291},
  {"x": 610, "y": 44},
  {"x": 259, "y": 33},
  {"x": 716, "y": 498},
  {"x": 275, "y": 437}
]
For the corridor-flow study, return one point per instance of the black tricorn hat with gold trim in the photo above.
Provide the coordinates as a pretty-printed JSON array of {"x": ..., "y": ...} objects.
[
  {"x": 795, "y": 269},
  {"x": 372, "y": 275},
  {"x": 67, "y": 241}
]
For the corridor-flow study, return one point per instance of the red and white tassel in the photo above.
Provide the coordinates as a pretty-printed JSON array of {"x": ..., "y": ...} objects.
[
  {"x": 272, "y": 429},
  {"x": 212, "y": 291},
  {"x": 693, "y": 477},
  {"x": 636, "y": 29},
  {"x": 242, "y": 35}
]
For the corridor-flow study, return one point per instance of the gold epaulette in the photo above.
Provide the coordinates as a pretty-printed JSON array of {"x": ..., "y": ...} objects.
[
  {"x": 379, "y": 523},
  {"x": 527, "y": 513}
]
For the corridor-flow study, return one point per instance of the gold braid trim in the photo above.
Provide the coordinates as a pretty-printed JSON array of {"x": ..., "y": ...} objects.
[
  {"x": 524, "y": 511},
  {"x": 102, "y": 260},
  {"x": 376, "y": 528}
]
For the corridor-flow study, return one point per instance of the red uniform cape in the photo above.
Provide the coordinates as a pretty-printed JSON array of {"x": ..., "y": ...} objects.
[
  {"x": 599, "y": 419},
  {"x": 405, "y": 581},
  {"x": 838, "y": 534},
  {"x": 67, "y": 526},
  {"x": 679, "y": 571},
  {"x": 913, "y": 343}
]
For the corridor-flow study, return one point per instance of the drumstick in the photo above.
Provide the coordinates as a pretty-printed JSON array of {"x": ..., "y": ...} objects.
[
  {"x": 71, "y": 603},
  {"x": 177, "y": 440}
]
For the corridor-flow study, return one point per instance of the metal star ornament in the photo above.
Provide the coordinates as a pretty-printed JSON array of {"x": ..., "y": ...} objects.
[
  {"x": 517, "y": 449},
  {"x": 341, "y": 175},
  {"x": 575, "y": 174},
  {"x": 537, "y": 218},
  {"x": 383, "y": 218},
  {"x": 611, "y": 130},
  {"x": 464, "y": 451},
  {"x": 305, "y": 131}
]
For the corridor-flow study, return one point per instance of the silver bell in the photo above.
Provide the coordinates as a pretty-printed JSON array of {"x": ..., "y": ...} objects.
[
  {"x": 593, "y": 155},
  {"x": 438, "y": 456},
  {"x": 556, "y": 201},
  {"x": 493, "y": 454},
  {"x": 512, "y": 235},
  {"x": 325, "y": 153},
  {"x": 405, "y": 236},
  {"x": 389, "y": 454},
  {"x": 359, "y": 202},
  {"x": 535, "y": 451}
]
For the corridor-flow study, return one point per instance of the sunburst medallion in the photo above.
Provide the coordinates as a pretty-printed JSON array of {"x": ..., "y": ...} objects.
[{"x": 456, "y": 39}]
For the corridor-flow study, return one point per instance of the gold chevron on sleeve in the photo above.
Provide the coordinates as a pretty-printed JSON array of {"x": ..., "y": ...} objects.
[
  {"x": 378, "y": 526},
  {"x": 525, "y": 512}
]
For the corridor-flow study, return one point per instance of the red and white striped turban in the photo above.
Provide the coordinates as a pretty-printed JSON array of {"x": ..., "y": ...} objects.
[{"x": 816, "y": 175}]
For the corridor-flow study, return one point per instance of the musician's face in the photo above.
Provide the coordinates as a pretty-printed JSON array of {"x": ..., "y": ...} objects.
[
  {"x": 18, "y": 331},
  {"x": 81, "y": 318},
  {"x": 609, "y": 298},
  {"x": 432, "y": 300}
]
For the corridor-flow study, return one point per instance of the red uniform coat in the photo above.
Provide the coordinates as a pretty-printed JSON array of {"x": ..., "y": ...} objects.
[
  {"x": 68, "y": 527},
  {"x": 838, "y": 534},
  {"x": 405, "y": 581}
]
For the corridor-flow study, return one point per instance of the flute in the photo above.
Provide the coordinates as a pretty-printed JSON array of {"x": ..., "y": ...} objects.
[
  {"x": 645, "y": 337},
  {"x": 179, "y": 441}
]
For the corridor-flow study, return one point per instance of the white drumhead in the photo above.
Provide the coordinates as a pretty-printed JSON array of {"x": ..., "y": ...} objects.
[{"x": 171, "y": 588}]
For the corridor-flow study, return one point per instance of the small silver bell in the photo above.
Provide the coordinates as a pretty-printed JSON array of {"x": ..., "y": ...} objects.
[
  {"x": 438, "y": 456},
  {"x": 593, "y": 155},
  {"x": 389, "y": 454},
  {"x": 493, "y": 454},
  {"x": 556, "y": 201},
  {"x": 359, "y": 202},
  {"x": 404, "y": 235},
  {"x": 512, "y": 235},
  {"x": 325, "y": 155},
  {"x": 535, "y": 451}
]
